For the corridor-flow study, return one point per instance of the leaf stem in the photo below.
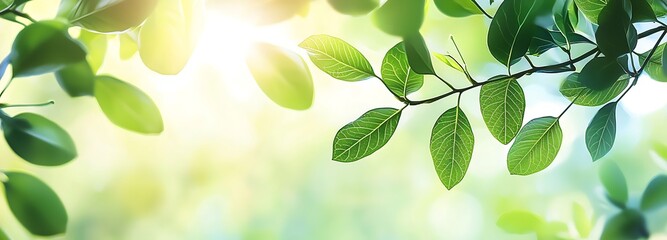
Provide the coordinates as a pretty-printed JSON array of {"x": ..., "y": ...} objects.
[
  {"x": 3, "y": 105},
  {"x": 572, "y": 103},
  {"x": 446, "y": 83},
  {"x": 482, "y": 9},
  {"x": 465, "y": 65}
]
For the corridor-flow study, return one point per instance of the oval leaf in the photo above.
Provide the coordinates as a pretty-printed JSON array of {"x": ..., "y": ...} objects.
[
  {"x": 106, "y": 16},
  {"x": 600, "y": 73},
  {"x": 573, "y": 89},
  {"x": 35, "y": 205},
  {"x": 582, "y": 221},
  {"x": 628, "y": 224},
  {"x": 536, "y": 146},
  {"x": 655, "y": 195},
  {"x": 452, "y": 143},
  {"x": 77, "y": 79},
  {"x": 418, "y": 54},
  {"x": 400, "y": 17},
  {"x": 365, "y": 135},
  {"x": 613, "y": 181},
  {"x": 282, "y": 75},
  {"x": 127, "y": 106},
  {"x": 591, "y": 8},
  {"x": 38, "y": 140},
  {"x": 512, "y": 29},
  {"x": 519, "y": 222},
  {"x": 503, "y": 105},
  {"x": 457, "y": 8},
  {"x": 354, "y": 7},
  {"x": 397, "y": 74},
  {"x": 96, "y": 46},
  {"x": 337, "y": 58},
  {"x": 601, "y": 132},
  {"x": 654, "y": 67},
  {"x": 616, "y": 35}
]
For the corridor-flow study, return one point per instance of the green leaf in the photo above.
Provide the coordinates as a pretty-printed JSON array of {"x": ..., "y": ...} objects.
[
  {"x": 616, "y": 35},
  {"x": 354, "y": 7},
  {"x": 3, "y": 235},
  {"x": 77, "y": 79},
  {"x": 96, "y": 45},
  {"x": 552, "y": 231},
  {"x": 591, "y": 8},
  {"x": 450, "y": 61},
  {"x": 452, "y": 143},
  {"x": 601, "y": 132},
  {"x": 127, "y": 106},
  {"x": 582, "y": 222},
  {"x": 564, "y": 22},
  {"x": 418, "y": 54},
  {"x": 397, "y": 74},
  {"x": 654, "y": 67},
  {"x": 172, "y": 30},
  {"x": 400, "y": 17},
  {"x": 642, "y": 11},
  {"x": 44, "y": 47},
  {"x": 628, "y": 224},
  {"x": 365, "y": 135},
  {"x": 337, "y": 58},
  {"x": 572, "y": 87},
  {"x": 503, "y": 105},
  {"x": 106, "y": 16},
  {"x": 600, "y": 73},
  {"x": 457, "y": 8},
  {"x": 544, "y": 40},
  {"x": 613, "y": 181},
  {"x": 659, "y": 7},
  {"x": 535, "y": 147},
  {"x": 35, "y": 205},
  {"x": 128, "y": 45},
  {"x": 512, "y": 29},
  {"x": 519, "y": 222},
  {"x": 282, "y": 75},
  {"x": 655, "y": 195},
  {"x": 38, "y": 140}
]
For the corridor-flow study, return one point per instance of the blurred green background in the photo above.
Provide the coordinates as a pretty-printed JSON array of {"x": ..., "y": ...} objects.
[{"x": 231, "y": 164}]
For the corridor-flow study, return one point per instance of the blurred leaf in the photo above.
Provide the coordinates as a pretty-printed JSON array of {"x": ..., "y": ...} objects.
[
  {"x": 419, "y": 57},
  {"x": 519, "y": 222},
  {"x": 397, "y": 73},
  {"x": 3, "y": 236},
  {"x": 572, "y": 87},
  {"x": 5, "y": 4},
  {"x": 655, "y": 195},
  {"x": 35, "y": 205},
  {"x": 282, "y": 75},
  {"x": 44, "y": 47},
  {"x": 616, "y": 35},
  {"x": 512, "y": 29},
  {"x": 613, "y": 181},
  {"x": 365, "y": 135},
  {"x": 96, "y": 44},
  {"x": 654, "y": 67},
  {"x": 503, "y": 105},
  {"x": 106, "y": 16},
  {"x": 128, "y": 45},
  {"x": 601, "y": 132},
  {"x": 337, "y": 58},
  {"x": 354, "y": 7},
  {"x": 457, "y": 8},
  {"x": 273, "y": 11},
  {"x": 450, "y": 61},
  {"x": 11, "y": 16},
  {"x": 582, "y": 222},
  {"x": 171, "y": 31},
  {"x": 628, "y": 224},
  {"x": 600, "y": 73},
  {"x": 127, "y": 106},
  {"x": 552, "y": 231},
  {"x": 400, "y": 17},
  {"x": 452, "y": 143},
  {"x": 77, "y": 79},
  {"x": 535, "y": 147},
  {"x": 38, "y": 140},
  {"x": 3, "y": 66}
]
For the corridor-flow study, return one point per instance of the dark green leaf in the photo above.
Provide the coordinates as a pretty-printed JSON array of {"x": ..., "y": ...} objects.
[
  {"x": 642, "y": 11},
  {"x": 542, "y": 42},
  {"x": 536, "y": 146},
  {"x": 582, "y": 221},
  {"x": 354, "y": 7},
  {"x": 563, "y": 21},
  {"x": 503, "y": 106},
  {"x": 282, "y": 75},
  {"x": 519, "y": 222},
  {"x": 654, "y": 67},
  {"x": 655, "y": 195},
  {"x": 613, "y": 181},
  {"x": 38, "y": 140},
  {"x": 365, "y": 135},
  {"x": 452, "y": 143},
  {"x": 127, "y": 106},
  {"x": 616, "y": 35},
  {"x": 35, "y": 205},
  {"x": 337, "y": 58},
  {"x": 397, "y": 74},
  {"x": 573, "y": 89},
  {"x": 418, "y": 54},
  {"x": 44, "y": 47},
  {"x": 400, "y": 17},
  {"x": 77, "y": 79},
  {"x": 106, "y": 16},
  {"x": 457, "y": 8},
  {"x": 512, "y": 29},
  {"x": 600, "y": 73},
  {"x": 601, "y": 132},
  {"x": 628, "y": 224}
]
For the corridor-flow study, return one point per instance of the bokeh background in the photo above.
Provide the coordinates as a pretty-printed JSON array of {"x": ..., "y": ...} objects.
[{"x": 231, "y": 164}]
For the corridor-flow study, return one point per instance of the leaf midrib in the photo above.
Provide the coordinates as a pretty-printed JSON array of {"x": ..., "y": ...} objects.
[
  {"x": 367, "y": 135},
  {"x": 535, "y": 143},
  {"x": 337, "y": 60}
]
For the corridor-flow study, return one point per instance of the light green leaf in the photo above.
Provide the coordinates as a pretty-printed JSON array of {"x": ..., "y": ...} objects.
[
  {"x": 127, "y": 106},
  {"x": 282, "y": 75},
  {"x": 106, "y": 16},
  {"x": 535, "y": 147},
  {"x": 572, "y": 87},
  {"x": 3, "y": 235},
  {"x": 397, "y": 73},
  {"x": 38, "y": 140},
  {"x": 600, "y": 73},
  {"x": 450, "y": 61},
  {"x": 128, "y": 45},
  {"x": 457, "y": 8},
  {"x": 591, "y": 8},
  {"x": 552, "y": 231},
  {"x": 337, "y": 58},
  {"x": 582, "y": 221},
  {"x": 613, "y": 181},
  {"x": 601, "y": 132},
  {"x": 655, "y": 195},
  {"x": 44, "y": 47},
  {"x": 418, "y": 54},
  {"x": 365, "y": 135},
  {"x": 452, "y": 143},
  {"x": 654, "y": 67},
  {"x": 519, "y": 222},
  {"x": 400, "y": 17},
  {"x": 354, "y": 7},
  {"x": 77, "y": 79},
  {"x": 96, "y": 45},
  {"x": 35, "y": 205},
  {"x": 628, "y": 224},
  {"x": 659, "y": 7},
  {"x": 503, "y": 105},
  {"x": 512, "y": 29}
]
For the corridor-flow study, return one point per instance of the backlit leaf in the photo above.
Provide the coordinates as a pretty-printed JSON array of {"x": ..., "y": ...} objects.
[
  {"x": 77, "y": 79},
  {"x": 519, "y": 222},
  {"x": 452, "y": 143},
  {"x": 106, "y": 15},
  {"x": 127, "y": 106},
  {"x": 512, "y": 29},
  {"x": 535, "y": 147},
  {"x": 573, "y": 89},
  {"x": 613, "y": 181},
  {"x": 503, "y": 105},
  {"x": 337, "y": 58},
  {"x": 600, "y": 73},
  {"x": 354, "y": 7},
  {"x": 654, "y": 67},
  {"x": 457, "y": 8},
  {"x": 400, "y": 17},
  {"x": 366, "y": 135},
  {"x": 397, "y": 74},
  {"x": 655, "y": 195},
  {"x": 601, "y": 132},
  {"x": 582, "y": 221}
]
